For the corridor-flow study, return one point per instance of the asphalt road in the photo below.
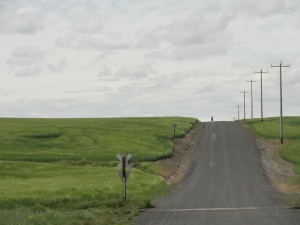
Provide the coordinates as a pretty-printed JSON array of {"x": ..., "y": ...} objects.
[{"x": 225, "y": 185}]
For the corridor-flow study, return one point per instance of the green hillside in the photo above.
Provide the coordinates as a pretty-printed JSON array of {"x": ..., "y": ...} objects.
[
  {"x": 63, "y": 171},
  {"x": 46, "y": 140}
]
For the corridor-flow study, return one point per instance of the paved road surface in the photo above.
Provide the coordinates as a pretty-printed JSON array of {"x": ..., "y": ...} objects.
[{"x": 225, "y": 186}]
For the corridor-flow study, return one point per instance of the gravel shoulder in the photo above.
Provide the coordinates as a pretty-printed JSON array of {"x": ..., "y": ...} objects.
[
  {"x": 175, "y": 168},
  {"x": 279, "y": 171}
]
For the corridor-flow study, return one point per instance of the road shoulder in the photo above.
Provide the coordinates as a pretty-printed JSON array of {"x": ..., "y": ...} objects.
[
  {"x": 279, "y": 172},
  {"x": 175, "y": 168}
]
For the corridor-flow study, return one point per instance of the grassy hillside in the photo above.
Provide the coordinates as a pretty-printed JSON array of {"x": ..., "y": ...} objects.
[
  {"x": 46, "y": 140},
  {"x": 269, "y": 129},
  {"x": 63, "y": 171}
]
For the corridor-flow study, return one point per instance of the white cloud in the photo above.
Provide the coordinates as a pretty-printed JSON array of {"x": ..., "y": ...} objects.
[
  {"x": 105, "y": 74},
  {"x": 58, "y": 67},
  {"x": 25, "y": 55},
  {"x": 86, "y": 17},
  {"x": 199, "y": 51},
  {"x": 149, "y": 39},
  {"x": 28, "y": 72},
  {"x": 135, "y": 72},
  {"x": 25, "y": 20},
  {"x": 140, "y": 58},
  {"x": 91, "y": 42},
  {"x": 262, "y": 9},
  {"x": 197, "y": 29}
]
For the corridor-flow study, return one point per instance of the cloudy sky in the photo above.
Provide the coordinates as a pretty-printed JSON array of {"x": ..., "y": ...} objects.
[{"x": 111, "y": 58}]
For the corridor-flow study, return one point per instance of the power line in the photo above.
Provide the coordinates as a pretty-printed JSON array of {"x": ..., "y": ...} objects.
[
  {"x": 281, "y": 125},
  {"x": 251, "y": 98},
  {"x": 261, "y": 95}
]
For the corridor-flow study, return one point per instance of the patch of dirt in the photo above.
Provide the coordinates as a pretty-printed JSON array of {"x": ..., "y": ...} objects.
[
  {"x": 279, "y": 171},
  {"x": 175, "y": 168}
]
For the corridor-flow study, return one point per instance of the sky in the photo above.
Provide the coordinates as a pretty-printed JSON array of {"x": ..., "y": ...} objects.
[{"x": 140, "y": 58}]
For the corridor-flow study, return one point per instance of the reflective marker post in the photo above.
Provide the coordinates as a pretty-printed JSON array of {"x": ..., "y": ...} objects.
[
  {"x": 174, "y": 129},
  {"x": 124, "y": 176},
  {"x": 124, "y": 170}
]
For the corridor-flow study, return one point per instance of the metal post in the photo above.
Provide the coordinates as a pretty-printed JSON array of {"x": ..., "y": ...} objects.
[
  {"x": 174, "y": 133},
  {"x": 281, "y": 119},
  {"x": 124, "y": 176},
  {"x": 244, "y": 106},
  {"x": 261, "y": 96},
  {"x": 244, "y": 103},
  {"x": 251, "y": 98},
  {"x": 124, "y": 188},
  {"x": 238, "y": 106},
  {"x": 281, "y": 125},
  {"x": 251, "y": 101}
]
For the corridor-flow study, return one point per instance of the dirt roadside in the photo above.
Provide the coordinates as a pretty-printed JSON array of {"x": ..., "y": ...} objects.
[
  {"x": 175, "y": 168},
  {"x": 279, "y": 171}
]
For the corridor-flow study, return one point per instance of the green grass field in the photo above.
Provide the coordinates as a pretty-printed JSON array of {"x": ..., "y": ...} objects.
[
  {"x": 47, "y": 140},
  {"x": 63, "y": 171}
]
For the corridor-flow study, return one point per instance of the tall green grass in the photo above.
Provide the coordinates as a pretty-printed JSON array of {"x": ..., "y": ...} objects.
[
  {"x": 53, "y": 185},
  {"x": 269, "y": 129},
  {"x": 63, "y": 171}
]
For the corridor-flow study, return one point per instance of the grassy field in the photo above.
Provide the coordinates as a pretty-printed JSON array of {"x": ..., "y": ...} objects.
[
  {"x": 63, "y": 171},
  {"x": 47, "y": 140},
  {"x": 290, "y": 150}
]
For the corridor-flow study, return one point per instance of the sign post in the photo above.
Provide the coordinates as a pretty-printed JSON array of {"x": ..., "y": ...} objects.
[
  {"x": 174, "y": 129},
  {"x": 124, "y": 170}
]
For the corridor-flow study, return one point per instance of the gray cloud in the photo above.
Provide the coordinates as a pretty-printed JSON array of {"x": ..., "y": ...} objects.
[
  {"x": 195, "y": 36},
  {"x": 25, "y": 55},
  {"x": 105, "y": 74},
  {"x": 48, "y": 108},
  {"x": 191, "y": 52},
  {"x": 22, "y": 19},
  {"x": 130, "y": 73},
  {"x": 148, "y": 57},
  {"x": 198, "y": 51},
  {"x": 58, "y": 67},
  {"x": 135, "y": 72},
  {"x": 197, "y": 29},
  {"x": 91, "y": 42},
  {"x": 265, "y": 9},
  {"x": 28, "y": 72},
  {"x": 149, "y": 38},
  {"x": 79, "y": 16}
]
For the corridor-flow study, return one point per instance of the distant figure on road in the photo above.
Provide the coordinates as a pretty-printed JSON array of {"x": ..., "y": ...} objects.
[{"x": 212, "y": 119}]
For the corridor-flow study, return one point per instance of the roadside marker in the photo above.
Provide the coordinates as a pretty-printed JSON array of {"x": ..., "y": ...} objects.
[
  {"x": 124, "y": 170},
  {"x": 174, "y": 134}
]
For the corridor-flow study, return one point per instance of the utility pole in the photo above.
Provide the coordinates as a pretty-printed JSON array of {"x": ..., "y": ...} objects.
[
  {"x": 238, "y": 106},
  {"x": 251, "y": 98},
  {"x": 261, "y": 95},
  {"x": 244, "y": 103},
  {"x": 281, "y": 125}
]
